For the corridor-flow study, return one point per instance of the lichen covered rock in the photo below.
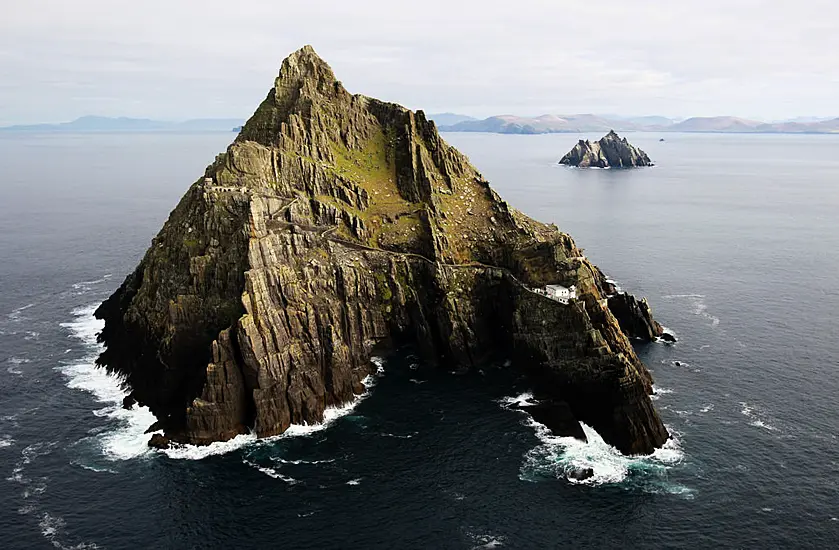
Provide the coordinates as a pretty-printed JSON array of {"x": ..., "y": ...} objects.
[
  {"x": 610, "y": 151},
  {"x": 337, "y": 226}
]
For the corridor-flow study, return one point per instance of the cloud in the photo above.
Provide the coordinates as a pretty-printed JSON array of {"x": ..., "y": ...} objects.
[{"x": 187, "y": 58}]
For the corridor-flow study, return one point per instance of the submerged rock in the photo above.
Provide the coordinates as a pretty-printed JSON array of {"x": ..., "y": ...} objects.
[
  {"x": 580, "y": 474},
  {"x": 337, "y": 226},
  {"x": 610, "y": 151},
  {"x": 128, "y": 402},
  {"x": 159, "y": 441}
]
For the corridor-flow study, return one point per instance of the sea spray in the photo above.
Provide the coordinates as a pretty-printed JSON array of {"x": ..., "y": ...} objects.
[
  {"x": 561, "y": 457},
  {"x": 127, "y": 438}
]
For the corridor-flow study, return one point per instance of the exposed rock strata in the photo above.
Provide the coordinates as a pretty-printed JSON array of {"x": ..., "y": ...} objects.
[
  {"x": 337, "y": 225},
  {"x": 610, "y": 151}
]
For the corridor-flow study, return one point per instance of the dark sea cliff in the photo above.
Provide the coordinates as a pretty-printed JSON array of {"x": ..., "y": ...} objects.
[{"x": 733, "y": 239}]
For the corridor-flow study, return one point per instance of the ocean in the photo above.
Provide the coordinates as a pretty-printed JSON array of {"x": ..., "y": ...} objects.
[{"x": 734, "y": 239}]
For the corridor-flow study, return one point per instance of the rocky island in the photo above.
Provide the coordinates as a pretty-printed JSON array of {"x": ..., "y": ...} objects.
[
  {"x": 610, "y": 151},
  {"x": 336, "y": 227}
]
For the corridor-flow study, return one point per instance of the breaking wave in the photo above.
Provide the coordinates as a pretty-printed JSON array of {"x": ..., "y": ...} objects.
[
  {"x": 525, "y": 398},
  {"x": 562, "y": 457},
  {"x": 658, "y": 392},
  {"x": 127, "y": 439}
]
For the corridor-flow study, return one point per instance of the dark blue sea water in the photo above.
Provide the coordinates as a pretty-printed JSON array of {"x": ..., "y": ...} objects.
[{"x": 733, "y": 238}]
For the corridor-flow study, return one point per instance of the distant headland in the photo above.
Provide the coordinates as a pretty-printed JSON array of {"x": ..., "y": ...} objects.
[
  {"x": 92, "y": 124},
  {"x": 453, "y": 122},
  {"x": 549, "y": 124}
]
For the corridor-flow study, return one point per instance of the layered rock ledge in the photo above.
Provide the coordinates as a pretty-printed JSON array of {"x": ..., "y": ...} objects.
[
  {"x": 610, "y": 151},
  {"x": 337, "y": 226}
]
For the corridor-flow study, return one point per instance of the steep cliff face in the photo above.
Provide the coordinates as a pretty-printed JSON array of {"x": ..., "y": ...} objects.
[
  {"x": 610, "y": 151},
  {"x": 337, "y": 225}
]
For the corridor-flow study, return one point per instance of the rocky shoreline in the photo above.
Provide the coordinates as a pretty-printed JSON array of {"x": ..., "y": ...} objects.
[{"x": 337, "y": 226}]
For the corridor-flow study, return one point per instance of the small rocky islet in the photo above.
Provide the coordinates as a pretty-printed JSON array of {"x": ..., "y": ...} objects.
[
  {"x": 337, "y": 227},
  {"x": 610, "y": 151}
]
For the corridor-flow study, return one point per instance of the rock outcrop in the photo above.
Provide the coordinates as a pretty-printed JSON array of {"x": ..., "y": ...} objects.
[
  {"x": 634, "y": 316},
  {"x": 337, "y": 226},
  {"x": 610, "y": 151}
]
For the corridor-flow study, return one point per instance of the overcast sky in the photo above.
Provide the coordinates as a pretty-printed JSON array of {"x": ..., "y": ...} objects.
[{"x": 179, "y": 59}]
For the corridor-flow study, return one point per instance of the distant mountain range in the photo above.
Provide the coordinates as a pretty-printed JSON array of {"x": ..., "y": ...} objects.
[
  {"x": 546, "y": 124},
  {"x": 453, "y": 122},
  {"x": 449, "y": 119},
  {"x": 87, "y": 124}
]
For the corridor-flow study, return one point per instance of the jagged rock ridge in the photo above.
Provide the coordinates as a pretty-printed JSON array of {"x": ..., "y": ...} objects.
[
  {"x": 610, "y": 151},
  {"x": 335, "y": 226}
]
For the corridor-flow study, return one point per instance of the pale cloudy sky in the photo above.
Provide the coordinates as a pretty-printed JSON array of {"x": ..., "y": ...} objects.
[{"x": 179, "y": 59}]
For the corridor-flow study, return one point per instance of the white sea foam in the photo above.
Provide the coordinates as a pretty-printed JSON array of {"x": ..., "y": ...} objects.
[
  {"x": 27, "y": 455},
  {"x": 6, "y": 441},
  {"x": 14, "y": 365},
  {"x": 301, "y": 461},
  {"x": 707, "y": 408},
  {"x": 485, "y": 540},
  {"x": 16, "y": 314},
  {"x": 380, "y": 364},
  {"x": 397, "y": 436},
  {"x": 330, "y": 415},
  {"x": 85, "y": 286},
  {"x": 52, "y": 528},
  {"x": 127, "y": 439},
  {"x": 658, "y": 392},
  {"x": 271, "y": 472},
  {"x": 94, "y": 468},
  {"x": 757, "y": 418},
  {"x": 521, "y": 399},
  {"x": 762, "y": 424},
  {"x": 199, "y": 452},
  {"x": 560, "y": 456},
  {"x": 356, "y": 481}
]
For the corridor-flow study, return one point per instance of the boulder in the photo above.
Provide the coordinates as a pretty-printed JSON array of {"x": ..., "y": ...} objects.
[
  {"x": 580, "y": 474},
  {"x": 159, "y": 441}
]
